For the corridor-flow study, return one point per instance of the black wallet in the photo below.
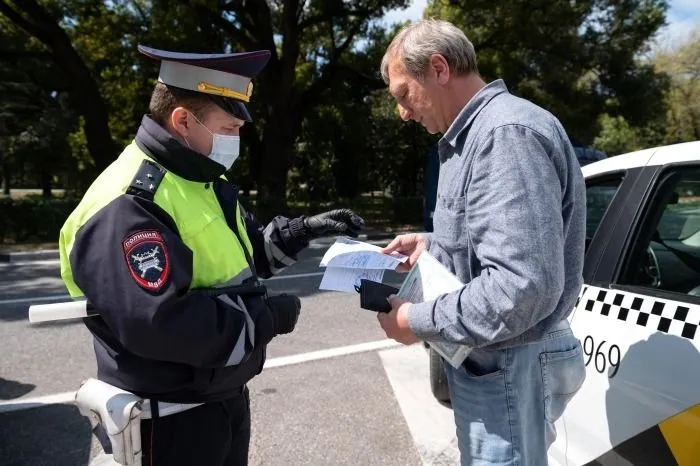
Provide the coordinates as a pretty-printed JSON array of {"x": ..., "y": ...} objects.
[{"x": 373, "y": 295}]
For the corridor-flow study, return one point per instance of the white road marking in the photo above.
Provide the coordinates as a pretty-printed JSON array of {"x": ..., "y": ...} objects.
[
  {"x": 329, "y": 353},
  {"x": 36, "y": 402},
  {"x": 68, "y": 397},
  {"x": 432, "y": 425},
  {"x": 64, "y": 297}
]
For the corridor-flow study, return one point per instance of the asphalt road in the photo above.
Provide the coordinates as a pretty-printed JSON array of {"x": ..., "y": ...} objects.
[{"x": 333, "y": 392}]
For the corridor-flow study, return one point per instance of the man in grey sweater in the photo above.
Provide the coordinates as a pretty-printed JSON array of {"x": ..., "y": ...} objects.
[{"x": 509, "y": 222}]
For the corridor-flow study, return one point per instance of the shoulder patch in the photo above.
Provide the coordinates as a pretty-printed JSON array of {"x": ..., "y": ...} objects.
[
  {"x": 147, "y": 258},
  {"x": 146, "y": 180}
]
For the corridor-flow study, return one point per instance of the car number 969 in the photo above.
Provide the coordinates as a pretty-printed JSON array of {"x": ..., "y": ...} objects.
[{"x": 602, "y": 355}]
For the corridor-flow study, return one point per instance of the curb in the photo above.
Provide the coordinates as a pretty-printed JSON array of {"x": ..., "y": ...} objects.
[
  {"x": 52, "y": 254},
  {"x": 47, "y": 254}
]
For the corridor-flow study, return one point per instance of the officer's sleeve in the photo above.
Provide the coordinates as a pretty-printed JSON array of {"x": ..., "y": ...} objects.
[
  {"x": 276, "y": 245},
  {"x": 131, "y": 264}
]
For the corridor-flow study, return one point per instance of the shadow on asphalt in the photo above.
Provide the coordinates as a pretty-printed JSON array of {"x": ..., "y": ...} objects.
[
  {"x": 11, "y": 389},
  {"x": 55, "y": 435}
]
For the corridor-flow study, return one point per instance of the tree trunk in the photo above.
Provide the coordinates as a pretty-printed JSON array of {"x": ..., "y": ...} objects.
[
  {"x": 6, "y": 178},
  {"x": 4, "y": 166},
  {"x": 99, "y": 138},
  {"x": 278, "y": 136},
  {"x": 46, "y": 183},
  {"x": 88, "y": 100},
  {"x": 3, "y": 172},
  {"x": 695, "y": 123},
  {"x": 278, "y": 147},
  {"x": 285, "y": 98}
]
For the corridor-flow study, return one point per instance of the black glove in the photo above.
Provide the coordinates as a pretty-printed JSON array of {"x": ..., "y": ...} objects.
[
  {"x": 334, "y": 222},
  {"x": 285, "y": 312}
]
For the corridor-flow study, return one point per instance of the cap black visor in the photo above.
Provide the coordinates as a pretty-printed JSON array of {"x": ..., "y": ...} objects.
[{"x": 232, "y": 106}]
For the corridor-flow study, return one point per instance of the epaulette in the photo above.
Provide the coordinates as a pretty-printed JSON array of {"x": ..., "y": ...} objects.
[{"x": 147, "y": 179}]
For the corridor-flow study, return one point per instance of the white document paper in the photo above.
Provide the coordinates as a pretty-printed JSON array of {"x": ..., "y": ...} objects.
[
  {"x": 352, "y": 254},
  {"x": 427, "y": 280},
  {"x": 344, "y": 279},
  {"x": 348, "y": 261}
]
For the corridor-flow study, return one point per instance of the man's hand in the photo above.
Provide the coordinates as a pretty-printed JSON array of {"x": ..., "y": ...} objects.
[
  {"x": 395, "y": 323},
  {"x": 334, "y": 222},
  {"x": 411, "y": 245}
]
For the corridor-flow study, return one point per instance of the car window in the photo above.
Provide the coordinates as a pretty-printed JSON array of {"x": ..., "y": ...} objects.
[
  {"x": 680, "y": 220},
  {"x": 667, "y": 244},
  {"x": 599, "y": 195}
]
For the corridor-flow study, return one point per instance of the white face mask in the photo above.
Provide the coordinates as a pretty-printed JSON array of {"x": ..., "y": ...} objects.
[{"x": 224, "y": 149}]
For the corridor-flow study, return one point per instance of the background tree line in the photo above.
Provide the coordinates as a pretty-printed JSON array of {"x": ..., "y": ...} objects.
[{"x": 74, "y": 90}]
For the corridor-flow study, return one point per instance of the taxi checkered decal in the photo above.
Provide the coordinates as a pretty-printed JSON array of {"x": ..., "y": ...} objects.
[{"x": 666, "y": 316}]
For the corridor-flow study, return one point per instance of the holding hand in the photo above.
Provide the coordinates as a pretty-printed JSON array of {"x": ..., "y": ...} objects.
[
  {"x": 395, "y": 323},
  {"x": 334, "y": 222},
  {"x": 411, "y": 245}
]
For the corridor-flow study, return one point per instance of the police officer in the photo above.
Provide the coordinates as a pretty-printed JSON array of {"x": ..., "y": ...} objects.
[{"x": 168, "y": 257}]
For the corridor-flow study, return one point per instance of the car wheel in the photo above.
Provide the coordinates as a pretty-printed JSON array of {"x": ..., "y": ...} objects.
[{"x": 438, "y": 378}]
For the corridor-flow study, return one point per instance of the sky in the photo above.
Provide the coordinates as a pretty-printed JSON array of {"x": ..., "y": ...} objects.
[{"x": 682, "y": 17}]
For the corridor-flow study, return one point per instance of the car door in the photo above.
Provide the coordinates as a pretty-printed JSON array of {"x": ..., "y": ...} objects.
[
  {"x": 606, "y": 193},
  {"x": 638, "y": 317}
]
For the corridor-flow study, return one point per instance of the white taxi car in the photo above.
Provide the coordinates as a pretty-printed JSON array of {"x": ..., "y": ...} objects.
[{"x": 637, "y": 316}]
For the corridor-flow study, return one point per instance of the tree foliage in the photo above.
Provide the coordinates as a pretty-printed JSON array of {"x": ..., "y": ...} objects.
[
  {"x": 325, "y": 129},
  {"x": 680, "y": 119},
  {"x": 578, "y": 59},
  {"x": 43, "y": 22},
  {"x": 682, "y": 64}
]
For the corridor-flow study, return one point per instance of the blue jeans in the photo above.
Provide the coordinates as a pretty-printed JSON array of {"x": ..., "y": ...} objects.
[{"x": 505, "y": 402}]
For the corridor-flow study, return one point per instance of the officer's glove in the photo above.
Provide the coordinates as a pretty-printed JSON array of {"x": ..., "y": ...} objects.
[
  {"x": 285, "y": 312},
  {"x": 334, "y": 222}
]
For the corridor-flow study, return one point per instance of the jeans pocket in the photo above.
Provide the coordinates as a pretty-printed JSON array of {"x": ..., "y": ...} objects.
[
  {"x": 484, "y": 365},
  {"x": 563, "y": 373}
]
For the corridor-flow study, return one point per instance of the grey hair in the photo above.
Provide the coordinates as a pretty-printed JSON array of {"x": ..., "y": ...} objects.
[{"x": 416, "y": 42}]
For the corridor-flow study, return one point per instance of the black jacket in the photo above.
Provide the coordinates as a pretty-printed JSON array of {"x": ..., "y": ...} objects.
[{"x": 174, "y": 345}]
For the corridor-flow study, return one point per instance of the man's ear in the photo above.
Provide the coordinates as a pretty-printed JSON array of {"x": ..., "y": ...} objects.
[
  {"x": 440, "y": 67},
  {"x": 180, "y": 122}
]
